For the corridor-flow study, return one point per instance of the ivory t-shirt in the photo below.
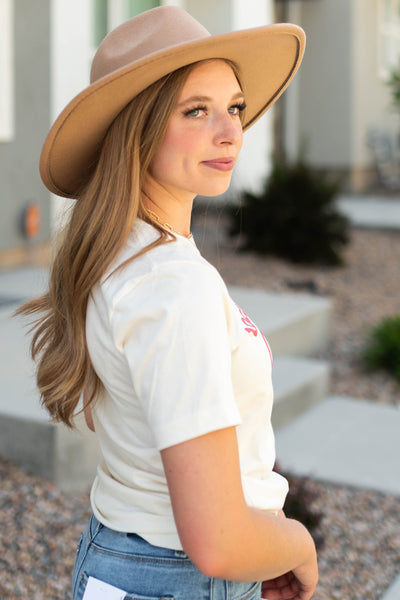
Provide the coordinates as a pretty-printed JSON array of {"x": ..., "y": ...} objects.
[{"x": 178, "y": 359}]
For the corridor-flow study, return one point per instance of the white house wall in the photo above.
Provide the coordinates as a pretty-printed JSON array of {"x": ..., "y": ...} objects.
[
  {"x": 19, "y": 178},
  {"x": 371, "y": 104},
  {"x": 7, "y": 96},
  {"x": 215, "y": 16},
  {"x": 340, "y": 95},
  {"x": 325, "y": 116},
  {"x": 291, "y": 98},
  {"x": 70, "y": 53}
]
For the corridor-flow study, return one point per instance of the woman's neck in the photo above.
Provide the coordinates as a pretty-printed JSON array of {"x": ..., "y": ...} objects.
[{"x": 168, "y": 210}]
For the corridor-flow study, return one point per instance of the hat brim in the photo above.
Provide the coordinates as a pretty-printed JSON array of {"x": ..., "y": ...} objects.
[{"x": 267, "y": 58}]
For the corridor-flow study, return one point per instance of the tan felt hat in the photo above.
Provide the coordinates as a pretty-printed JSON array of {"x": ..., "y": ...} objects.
[{"x": 141, "y": 51}]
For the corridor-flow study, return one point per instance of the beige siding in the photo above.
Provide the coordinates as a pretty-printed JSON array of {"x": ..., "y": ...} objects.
[
  {"x": 19, "y": 177},
  {"x": 340, "y": 94},
  {"x": 325, "y": 82},
  {"x": 371, "y": 104}
]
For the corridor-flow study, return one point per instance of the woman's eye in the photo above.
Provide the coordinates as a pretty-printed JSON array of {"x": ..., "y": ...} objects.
[
  {"x": 236, "y": 109},
  {"x": 200, "y": 111},
  {"x": 195, "y": 112}
]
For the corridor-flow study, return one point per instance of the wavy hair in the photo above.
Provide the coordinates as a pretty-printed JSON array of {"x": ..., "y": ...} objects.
[{"x": 102, "y": 217}]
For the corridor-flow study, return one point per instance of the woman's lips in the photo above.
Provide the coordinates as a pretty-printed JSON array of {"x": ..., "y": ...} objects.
[{"x": 220, "y": 164}]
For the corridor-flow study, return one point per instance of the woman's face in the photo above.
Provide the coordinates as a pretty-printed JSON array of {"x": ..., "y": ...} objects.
[{"x": 203, "y": 136}]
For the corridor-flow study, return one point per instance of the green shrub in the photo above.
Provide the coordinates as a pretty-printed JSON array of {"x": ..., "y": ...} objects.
[
  {"x": 393, "y": 83},
  {"x": 294, "y": 217},
  {"x": 383, "y": 347},
  {"x": 298, "y": 506}
]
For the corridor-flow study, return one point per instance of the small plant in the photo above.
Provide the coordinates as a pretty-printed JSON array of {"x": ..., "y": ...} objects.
[
  {"x": 383, "y": 347},
  {"x": 393, "y": 83},
  {"x": 294, "y": 217},
  {"x": 298, "y": 506}
]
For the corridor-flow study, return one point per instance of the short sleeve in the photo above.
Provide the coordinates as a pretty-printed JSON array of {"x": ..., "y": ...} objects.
[{"x": 172, "y": 329}]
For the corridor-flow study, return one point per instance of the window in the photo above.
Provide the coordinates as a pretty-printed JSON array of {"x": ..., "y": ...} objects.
[
  {"x": 6, "y": 72},
  {"x": 107, "y": 14},
  {"x": 389, "y": 42}
]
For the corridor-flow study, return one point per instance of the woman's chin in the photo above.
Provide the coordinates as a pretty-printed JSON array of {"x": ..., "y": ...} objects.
[{"x": 215, "y": 190}]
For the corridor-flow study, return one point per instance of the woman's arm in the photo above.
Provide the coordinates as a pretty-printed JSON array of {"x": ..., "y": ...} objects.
[{"x": 219, "y": 532}]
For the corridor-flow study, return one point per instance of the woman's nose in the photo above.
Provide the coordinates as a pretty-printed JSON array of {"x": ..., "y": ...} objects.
[{"x": 228, "y": 129}]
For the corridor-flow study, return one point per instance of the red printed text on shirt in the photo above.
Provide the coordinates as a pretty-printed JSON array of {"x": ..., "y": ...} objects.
[{"x": 250, "y": 327}]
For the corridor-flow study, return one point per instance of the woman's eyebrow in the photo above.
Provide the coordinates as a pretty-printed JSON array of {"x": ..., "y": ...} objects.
[{"x": 235, "y": 97}]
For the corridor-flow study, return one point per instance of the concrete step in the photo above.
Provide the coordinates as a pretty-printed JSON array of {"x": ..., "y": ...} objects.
[
  {"x": 50, "y": 450},
  {"x": 21, "y": 284},
  {"x": 374, "y": 212},
  {"x": 69, "y": 458},
  {"x": 393, "y": 592},
  {"x": 299, "y": 383},
  {"x": 346, "y": 441},
  {"x": 294, "y": 324}
]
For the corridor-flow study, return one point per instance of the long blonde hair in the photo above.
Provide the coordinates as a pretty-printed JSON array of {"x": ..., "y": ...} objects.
[{"x": 103, "y": 215}]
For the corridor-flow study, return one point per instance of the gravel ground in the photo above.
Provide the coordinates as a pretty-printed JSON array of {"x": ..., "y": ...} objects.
[
  {"x": 40, "y": 527},
  {"x": 360, "y": 555}
]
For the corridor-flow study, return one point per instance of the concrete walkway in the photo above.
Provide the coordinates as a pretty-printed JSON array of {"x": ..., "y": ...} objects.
[
  {"x": 393, "y": 593},
  {"x": 381, "y": 212},
  {"x": 345, "y": 441},
  {"x": 17, "y": 386}
]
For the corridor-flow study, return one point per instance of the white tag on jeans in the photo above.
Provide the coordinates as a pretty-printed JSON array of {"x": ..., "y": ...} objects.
[{"x": 99, "y": 590}]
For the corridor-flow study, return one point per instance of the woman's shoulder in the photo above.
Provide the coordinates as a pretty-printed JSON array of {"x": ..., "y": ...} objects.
[
  {"x": 176, "y": 265},
  {"x": 143, "y": 235}
]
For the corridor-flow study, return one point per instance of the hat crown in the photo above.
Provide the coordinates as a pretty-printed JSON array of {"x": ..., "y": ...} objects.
[{"x": 153, "y": 31}]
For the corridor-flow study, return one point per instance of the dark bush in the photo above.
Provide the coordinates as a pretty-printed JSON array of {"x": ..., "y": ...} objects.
[
  {"x": 294, "y": 217},
  {"x": 393, "y": 83},
  {"x": 300, "y": 502},
  {"x": 298, "y": 506},
  {"x": 383, "y": 347}
]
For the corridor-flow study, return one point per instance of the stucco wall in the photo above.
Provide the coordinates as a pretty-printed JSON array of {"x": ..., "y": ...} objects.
[
  {"x": 325, "y": 84},
  {"x": 19, "y": 178},
  {"x": 371, "y": 103},
  {"x": 215, "y": 16},
  {"x": 340, "y": 94},
  {"x": 71, "y": 54}
]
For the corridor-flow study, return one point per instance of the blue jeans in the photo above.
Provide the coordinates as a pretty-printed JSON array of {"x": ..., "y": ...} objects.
[{"x": 147, "y": 572}]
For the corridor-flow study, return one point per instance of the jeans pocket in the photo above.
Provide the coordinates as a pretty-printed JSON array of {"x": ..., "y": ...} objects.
[
  {"x": 78, "y": 562},
  {"x": 247, "y": 591},
  {"x": 128, "y": 596},
  {"x": 79, "y": 545}
]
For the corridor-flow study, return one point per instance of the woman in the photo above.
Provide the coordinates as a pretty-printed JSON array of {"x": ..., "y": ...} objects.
[{"x": 185, "y": 503}]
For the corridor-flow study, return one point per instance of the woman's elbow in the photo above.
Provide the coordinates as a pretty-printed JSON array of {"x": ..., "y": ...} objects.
[
  {"x": 211, "y": 564},
  {"x": 212, "y": 558}
]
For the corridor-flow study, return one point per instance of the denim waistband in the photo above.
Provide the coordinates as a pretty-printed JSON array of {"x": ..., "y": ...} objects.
[{"x": 147, "y": 572}]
